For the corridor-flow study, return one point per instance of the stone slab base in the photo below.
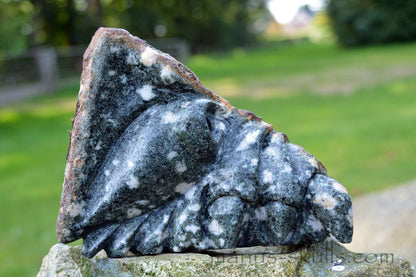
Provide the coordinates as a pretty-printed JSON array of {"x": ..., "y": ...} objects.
[{"x": 324, "y": 259}]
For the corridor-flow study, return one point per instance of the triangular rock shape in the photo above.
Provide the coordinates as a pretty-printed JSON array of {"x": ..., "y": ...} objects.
[{"x": 159, "y": 163}]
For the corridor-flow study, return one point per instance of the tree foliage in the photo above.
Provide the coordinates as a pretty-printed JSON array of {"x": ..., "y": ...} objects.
[
  {"x": 361, "y": 22},
  {"x": 205, "y": 24},
  {"x": 14, "y": 24}
]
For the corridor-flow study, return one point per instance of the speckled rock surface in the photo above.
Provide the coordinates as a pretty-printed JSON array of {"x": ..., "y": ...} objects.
[
  {"x": 324, "y": 259},
  {"x": 158, "y": 163}
]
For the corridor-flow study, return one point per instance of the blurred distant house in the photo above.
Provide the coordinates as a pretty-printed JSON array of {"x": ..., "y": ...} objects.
[
  {"x": 307, "y": 24},
  {"x": 300, "y": 24}
]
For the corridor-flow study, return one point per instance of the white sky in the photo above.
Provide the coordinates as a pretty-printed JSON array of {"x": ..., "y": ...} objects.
[{"x": 284, "y": 10}]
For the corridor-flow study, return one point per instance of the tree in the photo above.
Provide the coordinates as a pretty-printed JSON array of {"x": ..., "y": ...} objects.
[
  {"x": 15, "y": 18},
  {"x": 205, "y": 24},
  {"x": 361, "y": 22}
]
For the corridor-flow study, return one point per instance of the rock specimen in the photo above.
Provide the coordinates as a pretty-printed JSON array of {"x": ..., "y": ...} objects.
[
  {"x": 159, "y": 163},
  {"x": 322, "y": 259}
]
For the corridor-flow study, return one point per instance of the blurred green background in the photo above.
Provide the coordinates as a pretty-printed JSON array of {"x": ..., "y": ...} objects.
[{"x": 353, "y": 108}]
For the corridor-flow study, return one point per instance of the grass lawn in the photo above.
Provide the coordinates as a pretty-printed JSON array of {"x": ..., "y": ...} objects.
[{"x": 355, "y": 110}]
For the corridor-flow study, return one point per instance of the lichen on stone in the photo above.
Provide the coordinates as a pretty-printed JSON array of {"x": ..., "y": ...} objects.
[{"x": 323, "y": 259}]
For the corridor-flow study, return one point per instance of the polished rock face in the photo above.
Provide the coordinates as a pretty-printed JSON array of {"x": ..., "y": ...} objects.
[{"x": 159, "y": 163}]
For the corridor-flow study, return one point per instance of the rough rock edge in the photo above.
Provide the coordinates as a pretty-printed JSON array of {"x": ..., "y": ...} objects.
[{"x": 318, "y": 260}]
